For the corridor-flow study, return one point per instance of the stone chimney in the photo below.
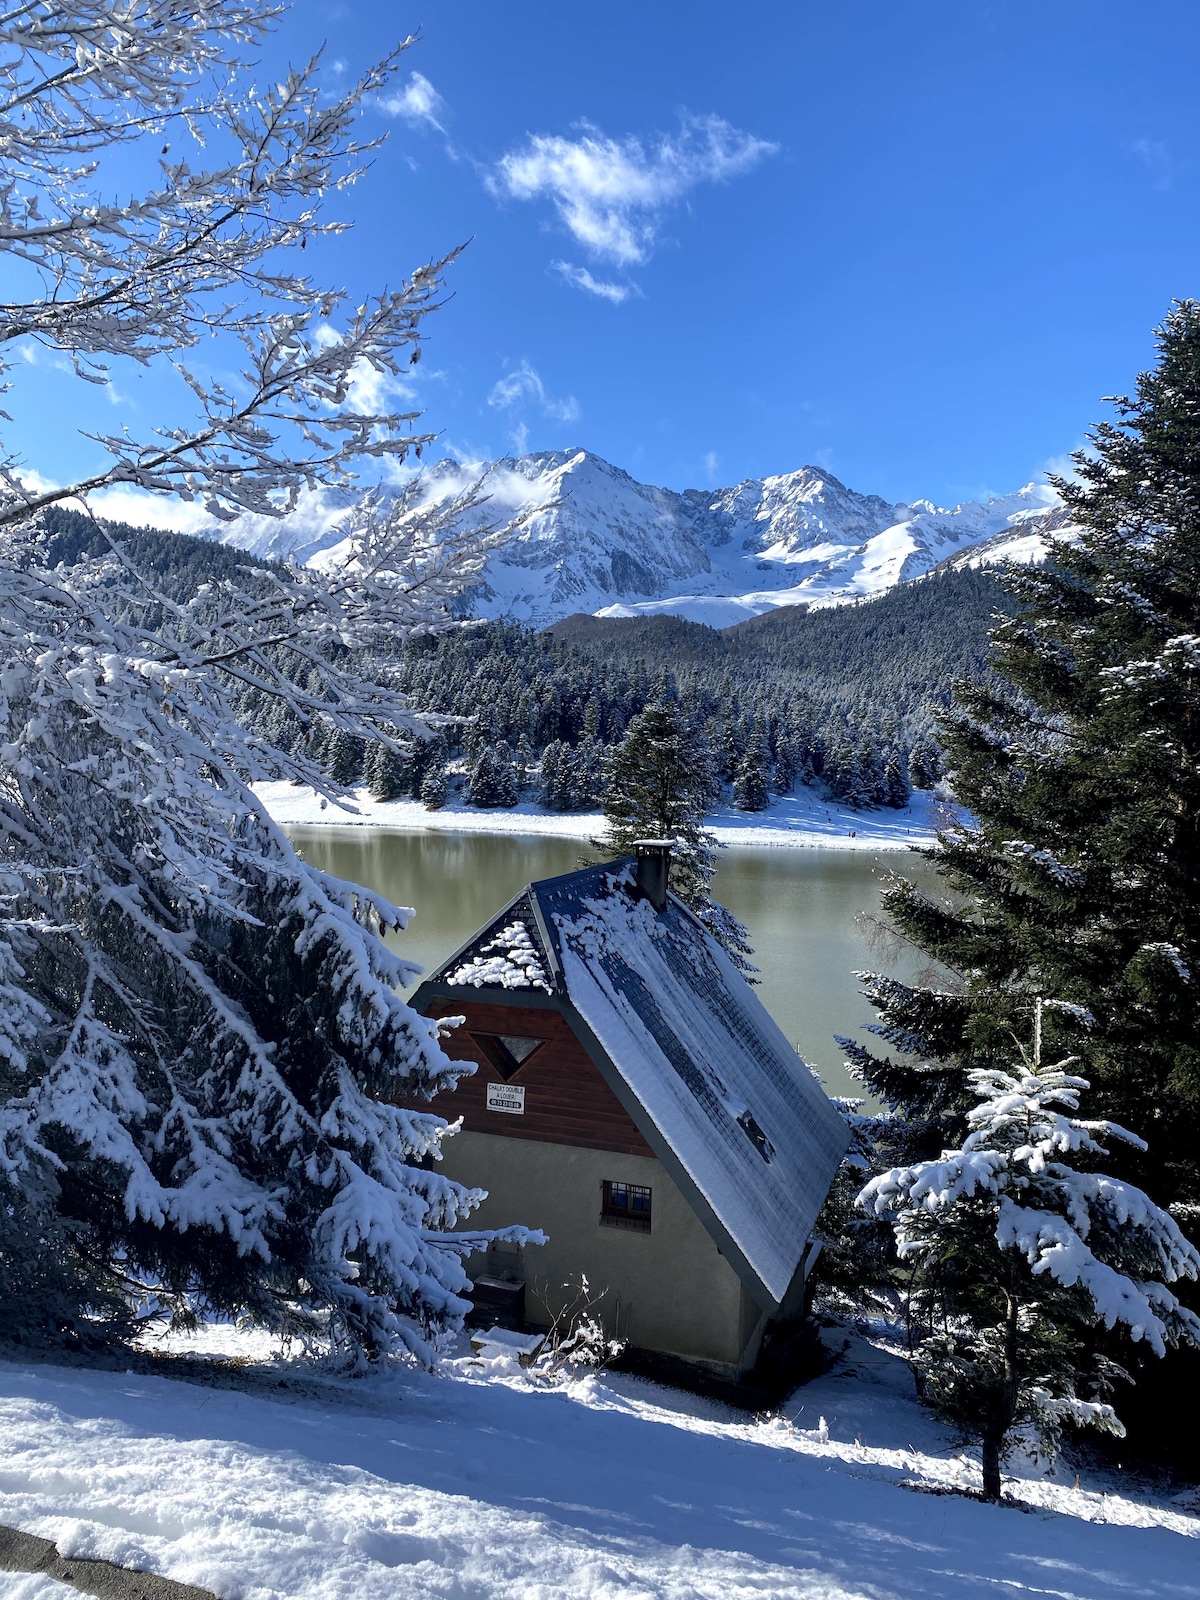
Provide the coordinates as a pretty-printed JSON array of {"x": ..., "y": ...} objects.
[{"x": 654, "y": 869}]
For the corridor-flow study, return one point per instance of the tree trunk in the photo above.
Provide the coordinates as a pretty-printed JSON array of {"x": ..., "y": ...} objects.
[
  {"x": 991, "y": 1465},
  {"x": 1005, "y": 1413}
]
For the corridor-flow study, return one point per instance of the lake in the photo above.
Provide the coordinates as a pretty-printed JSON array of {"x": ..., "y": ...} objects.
[{"x": 800, "y": 906}]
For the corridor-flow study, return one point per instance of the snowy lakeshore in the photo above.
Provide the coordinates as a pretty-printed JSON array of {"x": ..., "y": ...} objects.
[
  {"x": 797, "y": 821},
  {"x": 274, "y": 1482}
]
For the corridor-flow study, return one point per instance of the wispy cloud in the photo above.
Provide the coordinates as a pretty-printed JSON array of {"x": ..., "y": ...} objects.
[
  {"x": 1158, "y": 161},
  {"x": 417, "y": 102},
  {"x": 611, "y": 194},
  {"x": 373, "y": 393},
  {"x": 524, "y": 387},
  {"x": 581, "y": 278},
  {"x": 1065, "y": 465}
]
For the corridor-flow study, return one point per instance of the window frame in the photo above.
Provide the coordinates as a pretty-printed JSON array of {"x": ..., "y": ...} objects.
[{"x": 634, "y": 1217}]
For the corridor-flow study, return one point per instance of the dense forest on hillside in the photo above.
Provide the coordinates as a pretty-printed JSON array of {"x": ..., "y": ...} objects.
[{"x": 846, "y": 698}]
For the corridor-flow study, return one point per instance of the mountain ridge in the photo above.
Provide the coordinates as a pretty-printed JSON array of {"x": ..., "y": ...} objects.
[{"x": 592, "y": 538}]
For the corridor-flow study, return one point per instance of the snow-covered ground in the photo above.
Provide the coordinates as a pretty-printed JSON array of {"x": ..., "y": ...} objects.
[
  {"x": 474, "y": 1485},
  {"x": 799, "y": 821}
]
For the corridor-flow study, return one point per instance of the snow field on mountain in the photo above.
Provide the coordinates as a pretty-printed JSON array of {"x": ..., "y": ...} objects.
[
  {"x": 800, "y": 821},
  {"x": 474, "y": 1485},
  {"x": 592, "y": 538}
]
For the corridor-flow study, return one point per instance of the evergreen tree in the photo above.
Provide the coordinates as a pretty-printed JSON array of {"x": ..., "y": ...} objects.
[
  {"x": 923, "y": 765},
  {"x": 658, "y": 784},
  {"x": 386, "y": 772},
  {"x": 555, "y": 785},
  {"x": 1082, "y": 768},
  {"x": 343, "y": 756},
  {"x": 522, "y": 763},
  {"x": 789, "y": 757},
  {"x": 1018, "y": 1258},
  {"x": 750, "y": 791},
  {"x": 587, "y": 780},
  {"x": 491, "y": 780},
  {"x": 1079, "y": 760},
  {"x": 433, "y": 789},
  {"x": 895, "y": 789}
]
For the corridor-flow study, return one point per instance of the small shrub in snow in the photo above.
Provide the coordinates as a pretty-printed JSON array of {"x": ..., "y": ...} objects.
[
  {"x": 576, "y": 1342},
  {"x": 1018, "y": 1258}
]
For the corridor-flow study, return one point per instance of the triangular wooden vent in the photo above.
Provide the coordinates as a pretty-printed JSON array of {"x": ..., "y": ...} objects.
[{"x": 507, "y": 1052}]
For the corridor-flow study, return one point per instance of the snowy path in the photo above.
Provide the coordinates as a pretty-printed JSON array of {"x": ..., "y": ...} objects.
[
  {"x": 476, "y": 1487},
  {"x": 799, "y": 821}
]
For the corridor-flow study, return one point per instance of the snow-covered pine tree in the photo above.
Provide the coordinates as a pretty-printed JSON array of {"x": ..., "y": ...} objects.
[
  {"x": 200, "y": 1035},
  {"x": 522, "y": 761},
  {"x": 1079, "y": 874},
  {"x": 659, "y": 783},
  {"x": 1019, "y": 1257},
  {"x": 345, "y": 753},
  {"x": 895, "y": 786},
  {"x": 587, "y": 778},
  {"x": 553, "y": 790},
  {"x": 387, "y": 771},
  {"x": 788, "y": 761},
  {"x": 1080, "y": 765},
  {"x": 434, "y": 789},
  {"x": 750, "y": 792},
  {"x": 491, "y": 780}
]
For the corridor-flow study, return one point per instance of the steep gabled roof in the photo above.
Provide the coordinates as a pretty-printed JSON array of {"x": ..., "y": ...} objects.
[{"x": 722, "y": 1095}]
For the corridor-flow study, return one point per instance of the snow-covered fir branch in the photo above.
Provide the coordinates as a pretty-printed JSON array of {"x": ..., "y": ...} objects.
[{"x": 209, "y": 1086}]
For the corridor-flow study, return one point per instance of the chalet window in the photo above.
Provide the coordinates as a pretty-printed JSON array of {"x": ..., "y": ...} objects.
[
  {"x": 507, "y": 1052},
  {"x": 625, "y": 1205}
]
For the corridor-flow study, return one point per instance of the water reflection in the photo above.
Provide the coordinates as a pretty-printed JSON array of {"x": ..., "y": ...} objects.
[{"x": 800, "y": 907}]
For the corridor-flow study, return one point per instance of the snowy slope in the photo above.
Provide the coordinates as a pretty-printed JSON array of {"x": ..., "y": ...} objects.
[
  {"x": 595, "y": 539},
  {"x": 474, "y": 1485}
]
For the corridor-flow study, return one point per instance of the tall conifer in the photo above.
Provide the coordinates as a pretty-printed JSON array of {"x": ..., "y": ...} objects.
[
  {"x": 1077, "y": 874},
  {"x": 658, "y": 783}
]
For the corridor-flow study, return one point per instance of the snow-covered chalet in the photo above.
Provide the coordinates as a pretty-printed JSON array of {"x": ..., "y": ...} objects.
[{"x": 635, "y": 1101}]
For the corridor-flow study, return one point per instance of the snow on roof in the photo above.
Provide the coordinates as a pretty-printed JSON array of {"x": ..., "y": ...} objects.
[
  {"x": 505, "y": 958},
  {"x": 735, "y": 1104}
]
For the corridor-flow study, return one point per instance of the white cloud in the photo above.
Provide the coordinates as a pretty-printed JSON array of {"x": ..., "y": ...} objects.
[
  {"x": 143, "y": 510},
  {"x": 123, "y": 503},
  {"x": 418, "y": 102},
  {"x": 581, "y": 278},
  {"x": 1065, "y": 465},
  {"x": 373, "y": 393},
  {"x": 523, "y": 387},
  {"x": 611, "y": 193},
  {"x": 712, "y": 465}
]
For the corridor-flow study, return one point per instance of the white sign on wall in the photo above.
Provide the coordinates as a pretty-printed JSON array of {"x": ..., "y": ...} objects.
[{"x": 508, "y": 1097}]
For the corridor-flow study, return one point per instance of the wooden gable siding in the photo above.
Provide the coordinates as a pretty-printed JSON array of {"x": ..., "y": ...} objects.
[{"x": 566, "y": 1099}]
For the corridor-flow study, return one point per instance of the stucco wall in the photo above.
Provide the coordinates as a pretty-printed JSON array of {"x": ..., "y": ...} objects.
[{"x": 668, "y": 1290}]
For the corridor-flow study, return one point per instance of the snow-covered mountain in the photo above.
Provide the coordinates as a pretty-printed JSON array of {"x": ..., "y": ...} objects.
[{"x": 595, "y": 539}]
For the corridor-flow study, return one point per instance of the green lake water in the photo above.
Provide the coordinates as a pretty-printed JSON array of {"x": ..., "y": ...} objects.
[{"x": 802, "y": 908}]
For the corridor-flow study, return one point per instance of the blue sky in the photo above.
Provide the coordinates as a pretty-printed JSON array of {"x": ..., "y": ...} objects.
[{"x": 911, "y": 243}]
